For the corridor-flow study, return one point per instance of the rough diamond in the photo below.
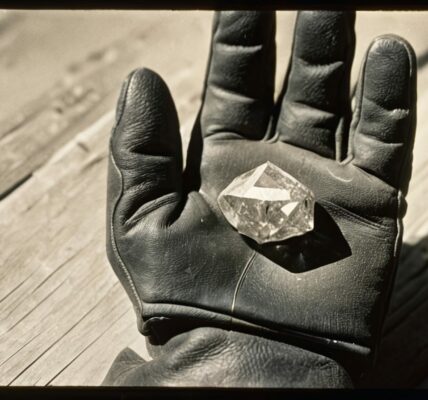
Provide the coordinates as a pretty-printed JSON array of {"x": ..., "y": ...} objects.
[{"x": 268, "y": 205}]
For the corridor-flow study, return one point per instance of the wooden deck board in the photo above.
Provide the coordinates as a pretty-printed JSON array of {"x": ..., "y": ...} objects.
[{"x": 64, "y": 316}]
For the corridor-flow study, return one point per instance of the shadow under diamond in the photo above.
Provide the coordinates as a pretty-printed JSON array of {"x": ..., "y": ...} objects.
[{"x": 324, "y": 245}]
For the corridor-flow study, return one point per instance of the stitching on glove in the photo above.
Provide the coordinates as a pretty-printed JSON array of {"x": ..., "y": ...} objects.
[
  {"x": 113, "y": 238},
  {"x": 405, "y": 162}
]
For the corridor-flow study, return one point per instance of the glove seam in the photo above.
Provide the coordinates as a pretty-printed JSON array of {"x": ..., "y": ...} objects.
[
  {"x": 113, "y": 238},
  {"x": 122, "y": 104},
  {"x": 399, "y": 199}
]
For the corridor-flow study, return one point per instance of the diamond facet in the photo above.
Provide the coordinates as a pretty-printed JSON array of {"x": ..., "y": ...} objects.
[{"x": 268, "y": 205}]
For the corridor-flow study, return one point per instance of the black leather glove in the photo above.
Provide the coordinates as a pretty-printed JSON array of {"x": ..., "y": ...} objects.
[
  {"x": 180, "y": 261},
  {"x": 213, "y": 357}
]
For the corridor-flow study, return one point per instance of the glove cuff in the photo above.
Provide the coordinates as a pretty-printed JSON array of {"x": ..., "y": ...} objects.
[{"x": 213, "y": 357}]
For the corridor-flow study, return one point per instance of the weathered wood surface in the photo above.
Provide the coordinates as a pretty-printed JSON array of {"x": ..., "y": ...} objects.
[{"x": 63, "y": 314}]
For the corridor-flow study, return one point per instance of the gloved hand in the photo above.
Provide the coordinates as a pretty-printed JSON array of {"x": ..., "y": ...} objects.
[{"x": 181, "y": 262}]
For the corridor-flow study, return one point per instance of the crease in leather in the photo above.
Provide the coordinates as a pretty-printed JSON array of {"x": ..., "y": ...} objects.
[
  {"x": 335, "y": 208},
  {"x": 245, "y": 48},
  {"x": 124, "y": 370},
  {"x": 342, "y": 132},
  {"x": 309, "y": 108},
  {"x": 241, "y": 279},
  {"x": 330, "y": 64},
  {"x": 339, "y": 134},
  {"x": 153, "y": 205},
  {"x": 225, "y": 320},
  {"x": 231, "y": 94},
  {"x": 357, "y": 112},
  {"x": 113, "y": 238}
]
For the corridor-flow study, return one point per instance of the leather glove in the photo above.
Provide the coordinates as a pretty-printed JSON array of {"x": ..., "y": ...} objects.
[
  {"x": 213, "y": 357},
  {"x": 185, "y": 267}
]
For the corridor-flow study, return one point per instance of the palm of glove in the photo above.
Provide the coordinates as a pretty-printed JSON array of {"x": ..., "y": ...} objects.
[{"x": 171, "y": 246}]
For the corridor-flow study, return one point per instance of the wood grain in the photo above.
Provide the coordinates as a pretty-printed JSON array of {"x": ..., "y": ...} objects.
[
  {"x": 64, "y": 316},
  {"x": 60, "y": 300}
]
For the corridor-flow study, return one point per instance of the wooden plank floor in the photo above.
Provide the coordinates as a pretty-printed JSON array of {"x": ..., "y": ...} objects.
[{"x": 63, "y": 314}]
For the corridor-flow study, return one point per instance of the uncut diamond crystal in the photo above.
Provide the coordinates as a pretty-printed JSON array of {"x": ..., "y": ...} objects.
[{"x": 268, "y": 205}]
